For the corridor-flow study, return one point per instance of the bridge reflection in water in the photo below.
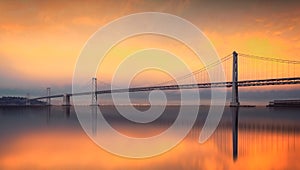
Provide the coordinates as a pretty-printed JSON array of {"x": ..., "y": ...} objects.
[
  {"x": 251, "y": 135},
  {"x": 258, "y": 137}
]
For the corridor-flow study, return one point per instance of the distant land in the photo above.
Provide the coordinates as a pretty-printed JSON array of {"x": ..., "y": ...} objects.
[{"x": 18, "y": 101}]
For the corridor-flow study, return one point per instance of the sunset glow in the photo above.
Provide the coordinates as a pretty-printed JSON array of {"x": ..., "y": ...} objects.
[
  {"x": 149, "y": 84},
  {"x": 40, "y": 41}
]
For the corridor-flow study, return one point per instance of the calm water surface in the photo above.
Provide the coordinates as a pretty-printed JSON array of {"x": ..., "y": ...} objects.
[{"x": 246, "y": 138}]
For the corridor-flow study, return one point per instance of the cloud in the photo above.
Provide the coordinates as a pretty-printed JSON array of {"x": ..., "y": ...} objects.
[{"x": 85, "y": 21}]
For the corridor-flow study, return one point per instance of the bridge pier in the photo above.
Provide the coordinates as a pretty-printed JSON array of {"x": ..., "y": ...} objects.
[
  {"x": 48, "y": 94},
  {"x": 66, "y": 100},
  {"x": 235, "y": 91},
  {"x": 94, "y": 92}
]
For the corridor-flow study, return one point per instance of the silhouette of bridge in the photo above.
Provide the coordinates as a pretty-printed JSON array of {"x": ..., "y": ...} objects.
[{"x": 253, "y": 71}]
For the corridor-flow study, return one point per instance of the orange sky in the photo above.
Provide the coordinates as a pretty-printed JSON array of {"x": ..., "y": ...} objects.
[{"x": 40, "y": 41}]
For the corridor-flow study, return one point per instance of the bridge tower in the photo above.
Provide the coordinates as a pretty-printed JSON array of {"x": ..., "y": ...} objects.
[
  {"x": 94, "y": 90},
  {"x": 48, "y": 94},
  {"x": 235, "y": 92}
]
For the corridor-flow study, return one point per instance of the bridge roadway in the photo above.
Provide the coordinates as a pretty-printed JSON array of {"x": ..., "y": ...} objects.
[{"x": 244, "y": 83}]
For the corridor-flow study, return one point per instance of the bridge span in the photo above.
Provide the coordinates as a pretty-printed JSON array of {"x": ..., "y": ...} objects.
[{"x": 235, "y": 83}]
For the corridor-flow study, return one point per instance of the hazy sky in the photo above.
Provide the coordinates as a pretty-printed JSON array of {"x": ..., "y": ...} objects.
[{"x": 41, "y": 40}]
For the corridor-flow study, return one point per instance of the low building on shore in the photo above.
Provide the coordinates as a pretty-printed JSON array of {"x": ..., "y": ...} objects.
[
  {"x": 18, "y": 101},
  {"x": 284, "y": 103}
]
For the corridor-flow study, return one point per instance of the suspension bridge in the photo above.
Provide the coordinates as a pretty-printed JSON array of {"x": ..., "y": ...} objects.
[{"x": 241, "y": 70}]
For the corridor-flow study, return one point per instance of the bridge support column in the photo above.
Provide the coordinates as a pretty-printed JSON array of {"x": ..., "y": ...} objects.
[
  {"x": 66, "y": 100},
  {"x": 48, "y": 94},
  {"x": 94, "y": 90},
  {"x": 235, "y": 93}
]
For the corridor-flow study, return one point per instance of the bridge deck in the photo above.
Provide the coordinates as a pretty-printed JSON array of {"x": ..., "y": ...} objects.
[{"x": 245, "y": 83}]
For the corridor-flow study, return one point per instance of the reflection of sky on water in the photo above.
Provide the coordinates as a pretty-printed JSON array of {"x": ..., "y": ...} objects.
[{"x": 52, "y": 138}]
